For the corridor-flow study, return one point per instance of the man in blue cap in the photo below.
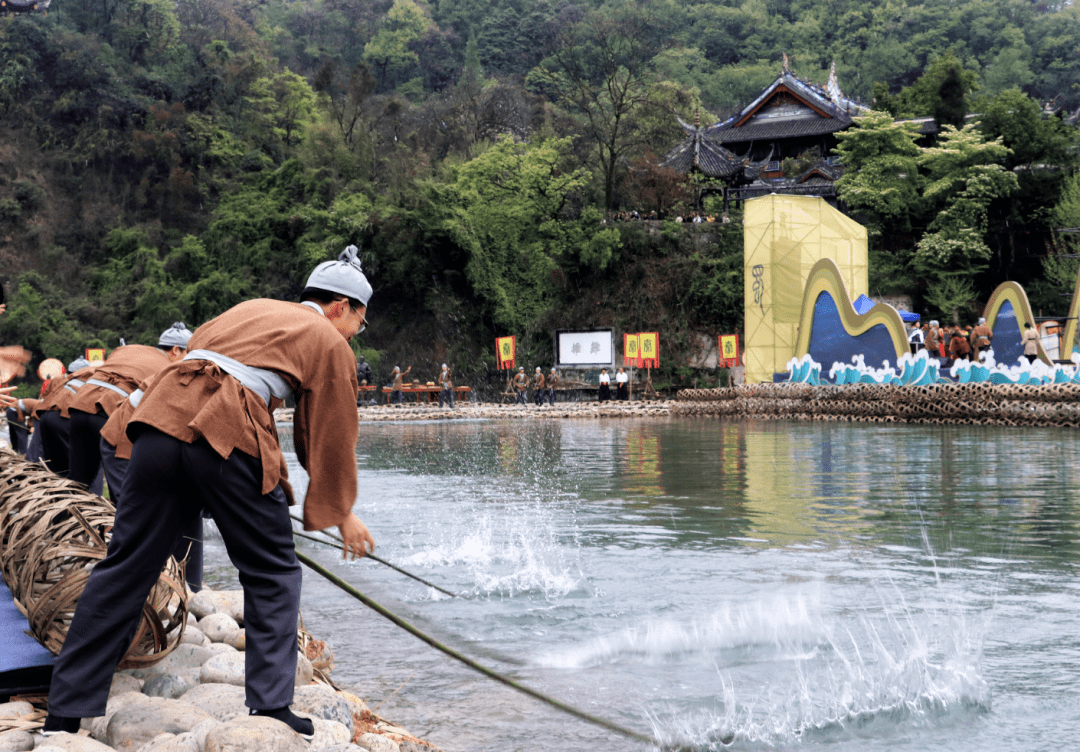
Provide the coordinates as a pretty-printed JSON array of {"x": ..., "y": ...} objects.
[{"x": 204, "y": 438}]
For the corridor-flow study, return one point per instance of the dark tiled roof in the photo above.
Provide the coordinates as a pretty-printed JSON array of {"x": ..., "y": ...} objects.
[
  {"x": 711, "y": 158},
  {"x": 784, "y": 188},
  {"x": 821, "y": 171},
  {"x": 780, "y": 129}
]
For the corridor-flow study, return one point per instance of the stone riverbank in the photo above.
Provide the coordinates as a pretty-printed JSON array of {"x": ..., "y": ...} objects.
[
  {"x": 193, "y": 701},
  {"x": 492, "y": 411}
]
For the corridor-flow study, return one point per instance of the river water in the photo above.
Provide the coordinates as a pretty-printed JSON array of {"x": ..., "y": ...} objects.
[{"x": 764, "y": 585}]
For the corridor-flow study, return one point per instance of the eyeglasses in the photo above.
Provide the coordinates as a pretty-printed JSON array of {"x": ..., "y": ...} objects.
[{"x": 363, "y": 320}]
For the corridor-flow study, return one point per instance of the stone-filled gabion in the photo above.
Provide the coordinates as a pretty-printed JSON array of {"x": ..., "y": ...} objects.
[{"x": 935, "y": 404}]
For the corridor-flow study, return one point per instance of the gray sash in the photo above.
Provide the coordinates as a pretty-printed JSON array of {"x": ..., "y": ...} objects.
[
  {"x": 74, "y": 385},
  {"x": 264, "y": 383},
  {"x": 107, "y": 385},
  {"x": 135, "y": 397}
]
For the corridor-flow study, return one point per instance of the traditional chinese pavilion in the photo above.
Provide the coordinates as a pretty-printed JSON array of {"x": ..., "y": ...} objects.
[{"x": 790, "y": 119}]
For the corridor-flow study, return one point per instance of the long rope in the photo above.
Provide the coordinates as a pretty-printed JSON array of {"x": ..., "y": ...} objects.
[
  {"x": 415, "y": 632},
  {"x": 372, "y": 556}
]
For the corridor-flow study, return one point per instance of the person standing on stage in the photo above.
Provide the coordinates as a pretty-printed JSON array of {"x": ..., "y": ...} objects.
[{"x": 204, "y": 438}]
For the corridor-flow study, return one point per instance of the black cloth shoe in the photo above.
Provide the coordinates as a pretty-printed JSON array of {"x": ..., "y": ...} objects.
[
  {"x": 58, "y": 724},
  {"x": 302, "y": 726}
]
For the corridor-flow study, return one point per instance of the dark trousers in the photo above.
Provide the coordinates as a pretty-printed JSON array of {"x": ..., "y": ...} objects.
[
  {"x": 55, "y": 441},
  {"x": 55, "y": 432},
  {"x": 538, "y": 396},
  {"x": 34, "y": 451},
  {"x": 447, "y": 395},
  {"x": 84, "y": 445},
  {"x": 17, "y": 432},
  {"x": 622, "y": 391},
  {"x": 395, "y": 396},
  {"x": 168, "y": 484},
  {"x": 604, "y": 393},
  {"x": 190, "y": 543},
  {"x": 521, "y": 397},
  {"x": 551, "y": 396}
]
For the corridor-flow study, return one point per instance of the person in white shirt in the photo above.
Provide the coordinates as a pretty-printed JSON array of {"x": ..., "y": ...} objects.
[
  {"x": 605, "y": 386},
  {"x": 622, "y": 385}
]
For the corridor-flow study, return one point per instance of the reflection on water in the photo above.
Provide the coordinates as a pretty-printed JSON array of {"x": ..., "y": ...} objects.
[{"x": 770, "y": 584}]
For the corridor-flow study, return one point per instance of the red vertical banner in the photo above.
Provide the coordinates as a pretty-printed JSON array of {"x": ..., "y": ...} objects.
[
  {"x": 650, "y": 350},
  {"x": 505, "y": 348}
]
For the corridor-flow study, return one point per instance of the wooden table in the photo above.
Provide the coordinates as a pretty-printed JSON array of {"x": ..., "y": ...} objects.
[{"x": 432, "y": 392}]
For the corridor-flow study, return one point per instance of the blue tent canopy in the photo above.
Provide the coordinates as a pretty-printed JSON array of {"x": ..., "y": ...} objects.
[
  {"x": 863, "y": 304},
  {"x": 908, "y": 316}
]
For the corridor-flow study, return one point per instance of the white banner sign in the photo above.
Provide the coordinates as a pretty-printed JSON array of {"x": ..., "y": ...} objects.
[{"x": 595, "y": 348}]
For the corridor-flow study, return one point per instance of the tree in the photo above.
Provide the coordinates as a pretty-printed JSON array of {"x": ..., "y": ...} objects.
[
  {"x": 389, "y": 51},
  {"x": 943, "y": 91},
  {"x": 600, "y": 71},
  {"x": 507, "y": 209},
  {"x": 964, "y": 175},
  {"x": 881, "y": 169}
]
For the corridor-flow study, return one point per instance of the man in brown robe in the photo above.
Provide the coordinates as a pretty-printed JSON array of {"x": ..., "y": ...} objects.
[
  {"x": 395, "y": 390},
  {"x": 552, "y": 384},
  {"x": 521, "y": 384},
  {"x": 980, "y": 339},
  {"x": 538, "y": 387},
  {"x": 204, "y": 438}
]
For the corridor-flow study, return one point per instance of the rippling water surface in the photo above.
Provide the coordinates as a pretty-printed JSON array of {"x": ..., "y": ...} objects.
[{"x": 759, "y": 585}]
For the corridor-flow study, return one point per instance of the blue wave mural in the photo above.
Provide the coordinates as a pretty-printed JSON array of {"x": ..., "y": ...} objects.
[{"x": 830, "y": 341}]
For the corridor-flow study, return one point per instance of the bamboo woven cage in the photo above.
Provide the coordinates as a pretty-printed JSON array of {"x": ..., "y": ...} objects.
[{"x": 52, "y": 532}]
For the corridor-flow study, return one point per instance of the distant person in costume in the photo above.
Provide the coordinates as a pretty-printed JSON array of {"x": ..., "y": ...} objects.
[
  {"x": 446, "y": 387},
  {"x": 538, "y": 386},
  {"x": 1030, "y": 340},
  {"x": 204, "y": 438},
  {"x": 395, "y": 388},
  {"x": 521, "y": 384},
  {"x": 552, "y": 384},
  {"x": 959, "y": 347},
  {"x": 981, "y": 336}
]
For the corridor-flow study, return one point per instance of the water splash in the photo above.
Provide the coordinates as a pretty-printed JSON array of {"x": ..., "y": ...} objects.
[
  {"x": 787, "y": 627},
  {"x": 507, "y": 556},
  {"x": 894, "y": 668}
]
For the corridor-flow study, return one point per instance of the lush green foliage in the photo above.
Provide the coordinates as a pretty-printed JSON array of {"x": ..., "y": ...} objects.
[{"x": 166, "y": 160}]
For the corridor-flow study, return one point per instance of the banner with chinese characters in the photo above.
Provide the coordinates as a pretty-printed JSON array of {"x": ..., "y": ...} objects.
[
  {"x": 630, "y": 350},
  {"x": 649, "y": 349},
  {"x": 504, "y": 351},
  {"x": 96, "y": 355},
  {"x": 729, "y": 350}
]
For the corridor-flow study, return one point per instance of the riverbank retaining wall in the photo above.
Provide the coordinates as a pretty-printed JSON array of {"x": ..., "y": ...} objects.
[{"x": 935, "y": 404}]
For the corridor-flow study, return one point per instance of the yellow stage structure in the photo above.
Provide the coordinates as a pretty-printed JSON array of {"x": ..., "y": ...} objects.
[{"x": 784, "y": 236}]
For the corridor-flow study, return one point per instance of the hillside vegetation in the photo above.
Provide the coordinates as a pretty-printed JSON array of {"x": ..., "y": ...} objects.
[{"x": 165, "y": 160}]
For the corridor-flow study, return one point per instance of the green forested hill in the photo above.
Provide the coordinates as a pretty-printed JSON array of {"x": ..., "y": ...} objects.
[{"x": 164, "y": 160}]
